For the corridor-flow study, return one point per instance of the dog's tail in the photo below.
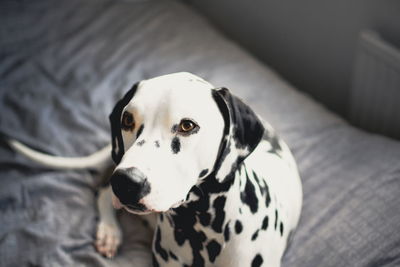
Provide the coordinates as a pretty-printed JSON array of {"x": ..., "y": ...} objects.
[{"x": 96, "y": 161}]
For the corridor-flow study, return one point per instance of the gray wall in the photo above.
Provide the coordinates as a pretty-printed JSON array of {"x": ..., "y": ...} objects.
[{"x": 311, "y": 43}]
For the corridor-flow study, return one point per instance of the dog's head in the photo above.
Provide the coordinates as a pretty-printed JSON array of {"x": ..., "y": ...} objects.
[{"x": 171, "y": 132}]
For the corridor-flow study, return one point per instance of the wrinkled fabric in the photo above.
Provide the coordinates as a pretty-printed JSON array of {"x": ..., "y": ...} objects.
[{"x": 63, "y": 65}]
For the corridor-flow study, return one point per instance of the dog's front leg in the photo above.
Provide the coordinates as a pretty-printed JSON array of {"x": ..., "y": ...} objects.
[{"x": 109, "y": 234}]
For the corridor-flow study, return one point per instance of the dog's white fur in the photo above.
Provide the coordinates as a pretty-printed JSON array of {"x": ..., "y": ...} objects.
[{"x": 160, "y": 103}]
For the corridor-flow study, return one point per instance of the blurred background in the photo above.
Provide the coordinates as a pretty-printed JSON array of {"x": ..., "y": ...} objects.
[{"x": 343, "y": 53}]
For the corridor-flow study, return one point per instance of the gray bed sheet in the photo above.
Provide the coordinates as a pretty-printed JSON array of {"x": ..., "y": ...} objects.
[{"x": 63, "y": 64}]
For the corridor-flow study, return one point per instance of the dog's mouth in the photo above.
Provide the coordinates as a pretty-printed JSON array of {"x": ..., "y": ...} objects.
[
  {"x": 139, "y": 208},
  {"x": 178, "y": 204},
  {"x": 137, "y": 211},
  {"x": 142, "y": 210}
]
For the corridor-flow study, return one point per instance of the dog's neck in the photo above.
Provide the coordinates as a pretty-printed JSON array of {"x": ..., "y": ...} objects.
[
  {"x": 202, "y": 196},
  {"x": 206, "y": 205},
  {"x": 203, "y": 217}
]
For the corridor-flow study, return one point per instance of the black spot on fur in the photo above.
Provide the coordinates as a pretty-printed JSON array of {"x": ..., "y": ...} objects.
[
  {"x": 141, "y": 143},
  {"x": 213, "y": 249},
  {"x": 219, "y": 204},
  {"x": 205, "y": 219},
  {"x": 170, "y": 221},
  {"x": 203, "y": 172},
  {"x": 263, "y": 187},
  {"x": 262, "y": 190},
  {"x": 273, "y": 139},
  {"x": 276, "y": 219},
  {"x": 257, "y": 261},
  {"x": 267, "y": 196},
  {"x": 255, "y": 235},
  {"x": 264, "y": 225},
  {"x": 179, "y": 236},
  {"x": 188, "y": 214},
  {"x": 174, "y": 128},
  {"x": 157, "y": 143},
  {"x": 173, "y": 255},
  {"x": 238, "y": 227},
  {"x": 155, "y": 262},
  {"x": 184, "y": 220},
  {"x": 139, "y": 132},
  {"x": 161, "y": 217},
  {"x": 157, "y": 245},
  {"x": 227, "y": 232},
  {"x": 176, "y": 145},
  {"x": 211, "y": 186},
  {"x": 248, "y": 196},
  {"x": 275, "y": 144},
  {"x": 281, "y": 228}
]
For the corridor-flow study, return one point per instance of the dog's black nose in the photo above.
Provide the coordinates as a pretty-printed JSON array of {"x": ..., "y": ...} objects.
[{"x": 130, "y": 185}]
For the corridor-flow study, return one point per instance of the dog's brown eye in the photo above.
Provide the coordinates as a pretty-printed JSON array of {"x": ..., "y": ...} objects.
[
  {"x": 128, "y": 122},
  {"x": 187, "y": 126}
]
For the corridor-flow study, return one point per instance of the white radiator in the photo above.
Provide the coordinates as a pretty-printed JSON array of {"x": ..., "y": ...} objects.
[{"x": 375, "y": 92}]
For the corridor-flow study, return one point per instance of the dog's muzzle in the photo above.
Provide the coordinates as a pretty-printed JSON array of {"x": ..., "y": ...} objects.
[{"x": 130, "y": 186}]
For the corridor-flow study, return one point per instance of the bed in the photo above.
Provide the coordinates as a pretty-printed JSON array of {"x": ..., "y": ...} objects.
[{"x": 64, "y": 64}]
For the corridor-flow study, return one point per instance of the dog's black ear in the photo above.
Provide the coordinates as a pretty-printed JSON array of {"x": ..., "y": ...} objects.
[
  {"x": 242, "y": 133},
  {"x": 115, "y": 121}
]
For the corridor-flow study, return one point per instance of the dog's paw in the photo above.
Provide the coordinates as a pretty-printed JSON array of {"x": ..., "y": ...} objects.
[{"x": 108, "y": 239}]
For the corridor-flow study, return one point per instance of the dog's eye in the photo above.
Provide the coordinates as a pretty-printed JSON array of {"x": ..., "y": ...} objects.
[
  {"x": 186, "y": 126},
  {"x": 128, "y": 123}
]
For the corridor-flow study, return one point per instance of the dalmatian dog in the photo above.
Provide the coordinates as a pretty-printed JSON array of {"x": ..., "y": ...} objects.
[{"x": 220, "y": 186}]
